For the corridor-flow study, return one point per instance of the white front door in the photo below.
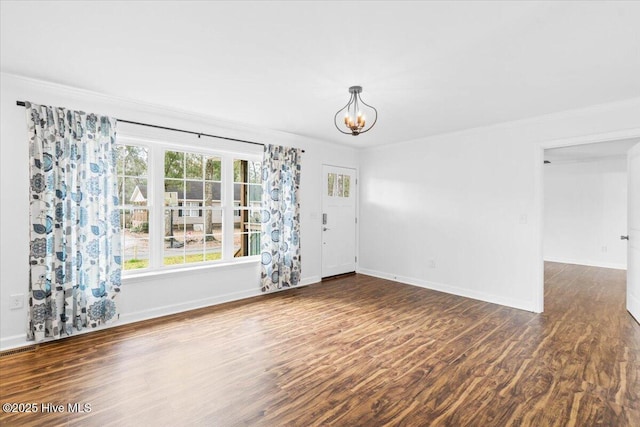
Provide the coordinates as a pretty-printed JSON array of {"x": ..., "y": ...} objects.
[
  {"x": 633, "y": 230},
  {"x": 338, "y": 220}
]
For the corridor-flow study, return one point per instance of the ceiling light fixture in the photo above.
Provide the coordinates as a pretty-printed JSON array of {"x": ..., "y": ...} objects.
[{"x": 354, "y": 117}]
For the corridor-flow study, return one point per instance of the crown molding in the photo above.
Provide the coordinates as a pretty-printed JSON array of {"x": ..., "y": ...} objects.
[
  {"x": 541, "y": 120},
  {"x": 213, "y": 124}
]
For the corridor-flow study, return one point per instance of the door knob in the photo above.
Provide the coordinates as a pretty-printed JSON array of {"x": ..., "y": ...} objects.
[
  {"x": 624, "y": 237},
  {"x": 324, "y": 228}
]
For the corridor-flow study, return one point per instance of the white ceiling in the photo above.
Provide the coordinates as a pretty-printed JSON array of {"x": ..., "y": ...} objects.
[
  {"x": 429, "y": 67},
  {"x": 586, "y": 152}
]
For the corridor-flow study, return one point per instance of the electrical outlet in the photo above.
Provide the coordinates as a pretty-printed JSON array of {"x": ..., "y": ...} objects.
[
  {"x": 17, "y": 301},
  {"x": 432, "y": 263},
  {"x": 604, "y": 249}
]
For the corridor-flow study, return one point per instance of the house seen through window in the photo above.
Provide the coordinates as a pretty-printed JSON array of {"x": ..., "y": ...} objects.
[
  {"x": 192, "y": 208},
  {"x": 193, "y": 223},
  {"x": 134, "y": 212}
]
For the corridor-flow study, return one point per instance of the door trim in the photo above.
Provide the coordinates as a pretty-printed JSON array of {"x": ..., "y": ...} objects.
[
  {"x": 633, "y": 297},
  {"x": 539, "y": 193},
  {"x": 357, "y": 209}
]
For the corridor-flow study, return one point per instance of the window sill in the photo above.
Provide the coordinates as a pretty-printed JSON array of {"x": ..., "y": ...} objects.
[{"x": 164, "y": 272}]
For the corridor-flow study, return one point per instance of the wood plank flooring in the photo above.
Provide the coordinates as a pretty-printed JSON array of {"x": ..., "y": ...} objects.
[{"x": 355, "y": 351}]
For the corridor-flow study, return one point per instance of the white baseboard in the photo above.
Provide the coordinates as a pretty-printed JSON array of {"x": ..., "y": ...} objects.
[
  {"x": 453, "y": 290},
  {"x": 588, "y": 263},
  {"x": 17, "y": 341},
  {"x": 310, "y": 280}
]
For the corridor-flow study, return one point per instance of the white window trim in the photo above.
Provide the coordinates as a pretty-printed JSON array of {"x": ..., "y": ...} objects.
[{"x": 155, "y": 186}]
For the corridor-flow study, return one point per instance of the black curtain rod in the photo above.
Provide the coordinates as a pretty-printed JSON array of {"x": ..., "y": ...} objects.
[{"x": 22, "y": 104}]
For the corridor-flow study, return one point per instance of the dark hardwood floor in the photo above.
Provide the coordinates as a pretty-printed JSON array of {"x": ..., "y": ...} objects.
[{"x": 355, "y": 351}]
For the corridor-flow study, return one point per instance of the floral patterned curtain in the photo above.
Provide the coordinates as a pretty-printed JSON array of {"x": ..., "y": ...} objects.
[
  {"x": 74, "y": 260},
  {"x": 280, "y": 238}
]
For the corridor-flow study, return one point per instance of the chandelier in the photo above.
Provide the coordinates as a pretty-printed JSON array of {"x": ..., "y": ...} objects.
[{"x": 355, "y": 119}]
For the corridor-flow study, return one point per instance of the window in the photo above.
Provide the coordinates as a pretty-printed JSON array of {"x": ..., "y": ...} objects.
[
  {"x": 247, "y": 198},
  {"x": 134, "y": 211},
  {"x": 191, "y": 212},
  {"x": 195, "y": 215},
  {"x": 192, "y": 235},
  {"x": 338, "y": 185}
]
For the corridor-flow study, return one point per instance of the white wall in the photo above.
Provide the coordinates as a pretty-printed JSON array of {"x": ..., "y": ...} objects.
[
  {"x": 470, "y": 201},
  {"x": 153, "y": 295},
  {"x": 585, "y": 212},
  {"x": 462, "y": 213}
]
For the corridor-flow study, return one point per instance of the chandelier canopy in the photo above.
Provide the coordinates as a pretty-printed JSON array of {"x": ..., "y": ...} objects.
[{"x": 355, "y": 114}]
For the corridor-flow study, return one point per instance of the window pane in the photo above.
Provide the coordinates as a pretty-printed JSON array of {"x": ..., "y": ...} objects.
[
  {"x": 255, "y": 172},
  {"x": 192, "y": 210},
  {"x": 255, "y": 219},
  {"x": 135, "y": 160},
  {"x": 210, "y": 221},
  {"x": 174, "y": 233},
  {"x": 173, "y": 226},
  {"x": 212, "y": 194},
  {"x": 347, "y": 185},
  {"x": 238, "y": 190},
  {"x": 247, "y": 188},
  {"x": 340, "y": 189},
  {"x": 194, "y": 191},
  {"x": 135, "y": 238},
  {"x": 173, "y": 164},
  {"x": 194, "y": 243},
  {"x": 213, "y": 247},
  {"x": 254, "y": 244},
  {"x": 246, "y": 244},
  {"x": 179, "y": 225},
  {"x": 212, "y": 238},
  {"x": 193, "y": 234},
  {"x": 240, "y": 243},
  {"x": 176, "y": 185},
  {"x": 240, "y": 171},
  {"x": 121, "y": 153},
  {"x": 121, "y": 190},
  {"x": 255, "y": 194},
  {"x": 246, "y": 228},
  {"x": 242, "y": 219},
  {"x": 193, "y": 166},
  {"x": 213, "y": 169},
  {"x": 172, "y": 256},
  {"x": 213, "y": 225},
  {"x": 134, "y": 216},
  {"x": 140, "y": 223},
  {"x": 247, "y": 171},
  {"x": 135, "y": 191},
  {"x": 173, "y": 191},
  {"x": 136, "y": 254},
  {"x": 331, "y": 178}
]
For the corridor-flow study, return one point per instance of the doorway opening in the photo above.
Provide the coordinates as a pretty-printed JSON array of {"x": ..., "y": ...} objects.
[{"x": 584, "y": 205}]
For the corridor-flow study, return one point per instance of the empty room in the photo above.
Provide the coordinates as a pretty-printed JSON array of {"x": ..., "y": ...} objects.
[{"x": 304, "y": 213}]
